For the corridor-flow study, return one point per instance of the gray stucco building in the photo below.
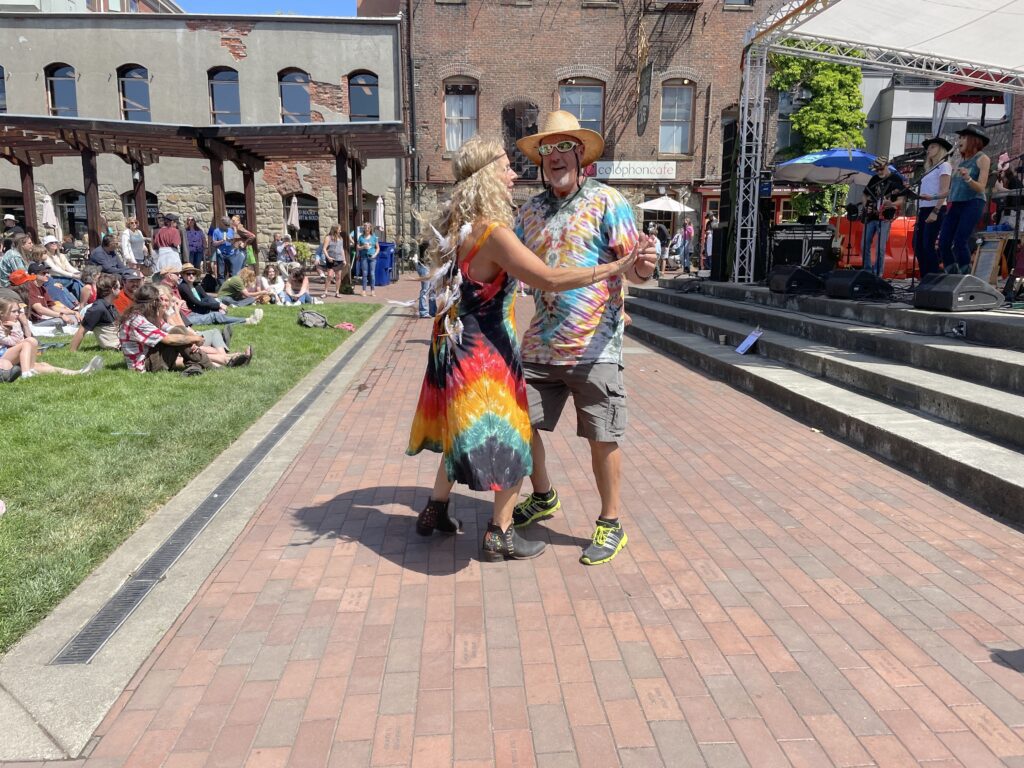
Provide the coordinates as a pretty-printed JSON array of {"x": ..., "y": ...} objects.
[{"x": 201, "y": 70}]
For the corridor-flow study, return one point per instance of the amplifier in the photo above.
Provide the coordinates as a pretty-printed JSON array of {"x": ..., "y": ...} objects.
[
  {"x": 956, "y": 293},
  {"x": 792, "y": 278},
  {"x": 856, "y": 284},
  {"x": 795, "y": 243}
]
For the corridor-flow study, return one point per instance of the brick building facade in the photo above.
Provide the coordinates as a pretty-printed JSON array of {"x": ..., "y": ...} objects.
[{"x": 509, "y": 62}]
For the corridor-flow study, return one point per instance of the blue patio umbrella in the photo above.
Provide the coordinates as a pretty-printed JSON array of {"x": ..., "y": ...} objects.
[{"x": 829, "y": 166}]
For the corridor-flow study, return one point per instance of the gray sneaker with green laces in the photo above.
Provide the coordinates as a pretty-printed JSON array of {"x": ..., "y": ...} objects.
[
  {"x": 534, "y": 508},
  {"x": 607, "y": 541}
]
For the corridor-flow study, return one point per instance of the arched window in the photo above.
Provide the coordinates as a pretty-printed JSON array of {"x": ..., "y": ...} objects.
[
  {"x": 60, "y": 90},
  {"x": 133, "y": 82},
  {"x": 71, "y": 213},
  {"x": 309, "y": 217},
  {"x": 3, "y": 91},
  {"x": 519, "y": 119},
  {"x": 294, "y": 85},
  {"x": 234, "y": 205},
  {"x": 460, "y": 111},
  {"x": 583, "y": 97},
  {"x": 152, "y": 207},
  {"x": 225, "y": 101},
  {"x": 363, "y": 97},
  {"x": 676, "y": 133}
]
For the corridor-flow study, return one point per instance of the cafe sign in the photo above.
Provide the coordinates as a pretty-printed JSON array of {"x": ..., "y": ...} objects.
[{"x": 633, "y": 170}]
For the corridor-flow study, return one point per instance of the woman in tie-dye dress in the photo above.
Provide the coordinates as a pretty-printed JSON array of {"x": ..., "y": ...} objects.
[{"x": 472, "y": 406}]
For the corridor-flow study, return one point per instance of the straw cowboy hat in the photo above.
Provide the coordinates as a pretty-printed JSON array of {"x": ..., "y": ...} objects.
[{"x": 564, "y": 124}]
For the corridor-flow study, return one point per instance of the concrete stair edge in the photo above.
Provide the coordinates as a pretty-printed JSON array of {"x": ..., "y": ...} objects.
[
  {"x": 977, "y": 471},
  {"x": 969, "y": 405},
  {"x": 995, "y": 368}
]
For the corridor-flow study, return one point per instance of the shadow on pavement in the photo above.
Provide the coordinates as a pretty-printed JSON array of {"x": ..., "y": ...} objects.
[
  {"x": 1011, "y": 659},
  {"x": 383, "y": 520}
]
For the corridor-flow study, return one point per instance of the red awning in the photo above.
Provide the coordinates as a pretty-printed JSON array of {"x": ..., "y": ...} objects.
[{"x": 967, "y": 94}]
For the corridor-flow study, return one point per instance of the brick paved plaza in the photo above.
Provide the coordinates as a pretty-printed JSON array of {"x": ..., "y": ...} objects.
[{"x": 784, "y": 599}]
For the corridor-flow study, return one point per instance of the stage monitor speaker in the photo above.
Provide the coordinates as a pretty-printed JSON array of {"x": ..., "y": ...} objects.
[
  {"x": 956, "y": 293},
  {"x": 793, "y": 279},
  {"x": 856, "y": 284}
]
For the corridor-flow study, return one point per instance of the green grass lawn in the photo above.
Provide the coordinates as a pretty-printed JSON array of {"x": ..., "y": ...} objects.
[{"x": 87, "y": 459}]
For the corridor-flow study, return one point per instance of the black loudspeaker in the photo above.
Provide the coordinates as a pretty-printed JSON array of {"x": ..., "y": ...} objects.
[
  {"x": 793, "y": 279},
  {"x": 856, "y": 284},
  {"x": 956, "y": 293}
]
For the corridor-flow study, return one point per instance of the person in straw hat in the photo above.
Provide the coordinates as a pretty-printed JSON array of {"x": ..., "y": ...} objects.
[
  {"x": 574, "y": 344},
  {"x": 473, "y": 405}
]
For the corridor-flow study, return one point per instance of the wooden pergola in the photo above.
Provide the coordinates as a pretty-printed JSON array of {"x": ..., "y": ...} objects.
[{"x": 29, "y": 141}]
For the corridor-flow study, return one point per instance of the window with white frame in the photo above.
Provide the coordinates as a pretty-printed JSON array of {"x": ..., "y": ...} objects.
[
  {"x": 676, "y": 133},
  {"x": 584, "y": 98},
  {"x": 460, "y": 112}
]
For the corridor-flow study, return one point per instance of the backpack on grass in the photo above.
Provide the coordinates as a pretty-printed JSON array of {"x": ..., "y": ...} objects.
[{"x": 310, "y": 319}]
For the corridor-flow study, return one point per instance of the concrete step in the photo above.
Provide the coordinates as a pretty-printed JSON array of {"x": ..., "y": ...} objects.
[
  {"x": 985, "y": 411},
  {"x": 977, "y": 470},
  {"x": 993, "y": 367},
  {"x": 998, "y": 328}
]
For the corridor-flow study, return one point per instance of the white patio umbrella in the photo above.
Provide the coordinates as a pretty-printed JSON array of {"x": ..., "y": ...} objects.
[
  {"x": 378, "y": 216},
  {"x": 666, "y": 203},
  {"x": 293, "y": 214},
  {"x": 49, "y": 218}
]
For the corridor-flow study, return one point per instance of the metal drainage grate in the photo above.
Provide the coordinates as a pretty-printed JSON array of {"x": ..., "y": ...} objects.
[{"x": 101, "y": 627}]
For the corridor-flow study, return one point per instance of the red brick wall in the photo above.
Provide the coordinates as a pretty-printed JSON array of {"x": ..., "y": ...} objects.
[{"x": 523, "y": 50}]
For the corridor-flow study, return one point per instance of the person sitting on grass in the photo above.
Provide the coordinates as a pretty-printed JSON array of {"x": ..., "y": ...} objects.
[
  {"x": 241, "y": 290},
  {"x": 130, "y": 283},
  {"x": 149, "y": 344},
  {"x": 18, "y": 348},
  {"x": 273, "y": 283},
  {"x": 200, "y": 308},
  {"x": 42, "y": 310},
  {"x": 297, "y": 288},
  {"x": 17, "y": 257},
  {"x": 61, "y": 270},
  {"x": 90, "y": 273},
  {"x": 101, "y": 318},
  {"x": 173, "y": 313}
]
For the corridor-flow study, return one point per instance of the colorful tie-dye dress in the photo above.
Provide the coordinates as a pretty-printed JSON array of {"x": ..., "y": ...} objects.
[{"x": 472, "y": 405}]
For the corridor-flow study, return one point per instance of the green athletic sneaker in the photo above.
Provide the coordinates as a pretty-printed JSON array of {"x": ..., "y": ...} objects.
[
  {"x": 607, "y": 542},
  {"x": 533, "y": 508}
]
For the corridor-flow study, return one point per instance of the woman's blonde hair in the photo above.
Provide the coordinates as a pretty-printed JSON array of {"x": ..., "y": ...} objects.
[
  {"x": 479, "y": 194},
  {"x": 248, "y": 276}
]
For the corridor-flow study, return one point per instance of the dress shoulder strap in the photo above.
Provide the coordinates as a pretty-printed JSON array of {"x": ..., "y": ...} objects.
[{"x": 479, "y": 243}]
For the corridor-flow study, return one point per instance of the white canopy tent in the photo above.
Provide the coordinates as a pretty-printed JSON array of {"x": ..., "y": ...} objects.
[{"x": 975, "y": 42}]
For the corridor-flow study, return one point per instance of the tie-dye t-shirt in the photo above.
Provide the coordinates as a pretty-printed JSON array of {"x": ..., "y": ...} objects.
[{"x": 583, "y": 325}]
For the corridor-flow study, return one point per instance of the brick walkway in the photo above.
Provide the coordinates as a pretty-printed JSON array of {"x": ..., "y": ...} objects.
[{"x": 784, "y": 600}]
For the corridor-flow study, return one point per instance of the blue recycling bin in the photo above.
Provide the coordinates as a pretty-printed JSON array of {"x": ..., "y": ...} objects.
[{"x": 385, "y": 261}]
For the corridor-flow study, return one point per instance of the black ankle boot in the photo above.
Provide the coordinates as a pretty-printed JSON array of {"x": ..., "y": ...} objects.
[
  {"x": 435, "y": 515},
  {"x": 508, "y": 545}
]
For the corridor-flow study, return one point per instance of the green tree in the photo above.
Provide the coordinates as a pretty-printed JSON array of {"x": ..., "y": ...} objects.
[{"x": 833, "y": 116}]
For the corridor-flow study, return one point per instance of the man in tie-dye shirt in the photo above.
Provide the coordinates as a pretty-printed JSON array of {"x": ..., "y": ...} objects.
[{"x": 574, "y": 344}]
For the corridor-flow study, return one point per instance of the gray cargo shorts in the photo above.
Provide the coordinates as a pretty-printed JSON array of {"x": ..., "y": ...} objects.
[{"x": 597, "y": 393}]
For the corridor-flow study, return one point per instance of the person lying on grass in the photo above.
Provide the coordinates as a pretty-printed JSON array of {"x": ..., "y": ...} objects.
[
  {"x": 150, "y": 344},
  {"x": 18, "y": 348}
]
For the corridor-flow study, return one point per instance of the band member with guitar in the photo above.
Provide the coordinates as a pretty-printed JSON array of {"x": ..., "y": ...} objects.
[
  {"x": 967, "y": 200},
  {"x": 931, "y": 209},
  {"x": 882, "y": 202}
]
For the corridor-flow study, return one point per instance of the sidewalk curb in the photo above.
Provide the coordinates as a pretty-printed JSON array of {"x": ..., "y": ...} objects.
[{"x": 34, "y": 696}]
